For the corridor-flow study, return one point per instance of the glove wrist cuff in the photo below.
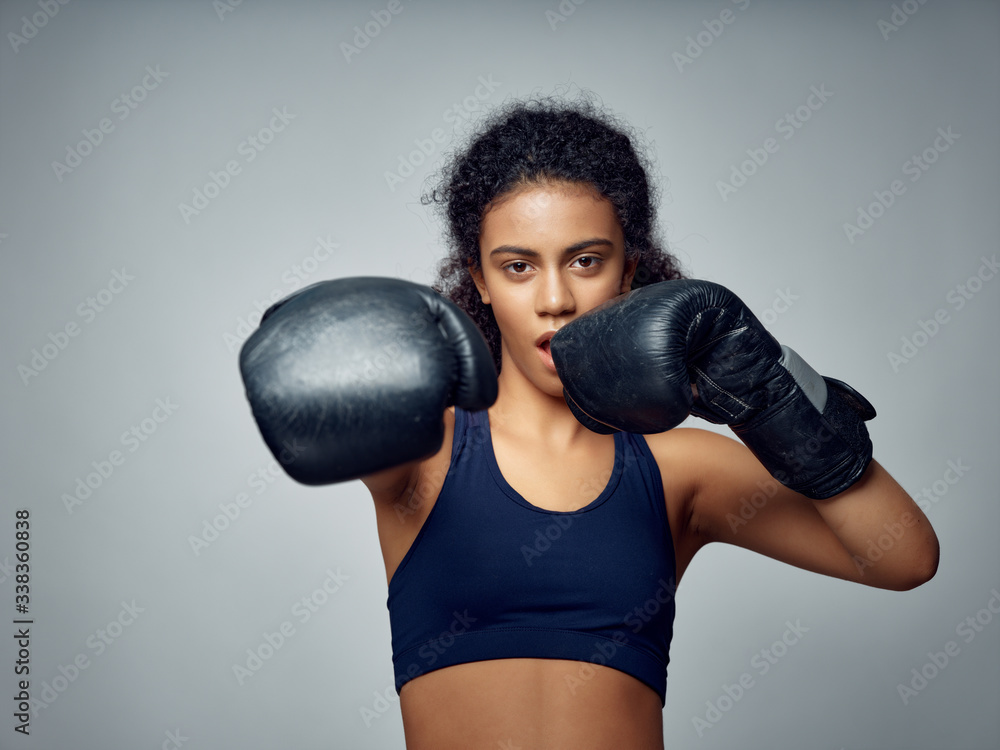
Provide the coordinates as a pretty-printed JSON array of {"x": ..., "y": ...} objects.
[
  {"x": 818, "y": 454},
  {"x": 810, "y": 381}
]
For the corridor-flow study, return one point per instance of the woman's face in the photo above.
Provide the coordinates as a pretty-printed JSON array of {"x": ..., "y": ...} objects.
[{"x": 548, "y": 253}]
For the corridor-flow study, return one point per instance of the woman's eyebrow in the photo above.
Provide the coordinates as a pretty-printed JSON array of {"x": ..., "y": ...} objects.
[{"x": 528, "y": 253}]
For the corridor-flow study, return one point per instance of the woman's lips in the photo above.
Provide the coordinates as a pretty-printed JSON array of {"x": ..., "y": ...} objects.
[{"x": 546, "y": 355}]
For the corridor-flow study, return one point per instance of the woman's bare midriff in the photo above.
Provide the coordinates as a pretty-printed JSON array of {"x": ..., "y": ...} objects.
[{"x": 529, "y": 704}]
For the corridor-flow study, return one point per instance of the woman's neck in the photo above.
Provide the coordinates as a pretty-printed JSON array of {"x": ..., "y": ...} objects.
[{"x": 524, "y": 411}]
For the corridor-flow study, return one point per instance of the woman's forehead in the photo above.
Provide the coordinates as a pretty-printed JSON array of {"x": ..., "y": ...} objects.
[{"x": 550, "y": 219}]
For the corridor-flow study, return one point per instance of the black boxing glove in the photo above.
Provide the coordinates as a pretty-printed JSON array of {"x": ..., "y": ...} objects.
[
  {"x": 352, "y": 376},
  {"x": 630, "y": 364}
]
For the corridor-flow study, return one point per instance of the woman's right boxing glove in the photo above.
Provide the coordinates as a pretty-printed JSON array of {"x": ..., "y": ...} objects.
[{"x": 352, "y": 376}]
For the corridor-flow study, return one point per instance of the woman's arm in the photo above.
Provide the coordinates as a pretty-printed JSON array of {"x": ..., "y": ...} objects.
[
  {"x": 872, "y": 533},
  {"x": 803, "y": 487}
]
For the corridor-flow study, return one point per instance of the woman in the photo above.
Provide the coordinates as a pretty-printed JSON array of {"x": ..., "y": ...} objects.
[{"x": 532, "y": 560}]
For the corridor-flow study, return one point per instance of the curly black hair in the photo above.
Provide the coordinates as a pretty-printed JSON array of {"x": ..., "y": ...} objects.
[{"x": 534, "y": 141}]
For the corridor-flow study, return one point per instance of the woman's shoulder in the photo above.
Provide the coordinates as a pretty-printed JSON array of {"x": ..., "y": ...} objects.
[
  {"x": 688, "y": 450},
  {"x": 692, "y": 459}
]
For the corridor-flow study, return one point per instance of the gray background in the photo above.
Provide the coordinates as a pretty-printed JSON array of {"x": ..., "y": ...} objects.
[{"x": 173, "y": 332}]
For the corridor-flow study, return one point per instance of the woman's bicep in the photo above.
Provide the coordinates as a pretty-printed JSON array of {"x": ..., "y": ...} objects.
[{"x": 736, "y": 501}]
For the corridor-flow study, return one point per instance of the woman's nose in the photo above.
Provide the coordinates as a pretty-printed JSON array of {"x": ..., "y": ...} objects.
[{"x": 554, "y": 296}]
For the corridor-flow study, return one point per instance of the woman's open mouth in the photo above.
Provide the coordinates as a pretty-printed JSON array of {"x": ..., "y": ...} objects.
[{"x": 542, "y": 344}]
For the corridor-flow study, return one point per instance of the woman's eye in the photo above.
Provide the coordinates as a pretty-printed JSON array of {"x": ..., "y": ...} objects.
[
  {"x": 517, "y": 267},
  {"x": 588, "y": 261}
]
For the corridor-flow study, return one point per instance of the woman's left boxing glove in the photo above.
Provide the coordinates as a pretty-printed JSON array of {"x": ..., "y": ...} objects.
[{"x": 630, "y": 363}]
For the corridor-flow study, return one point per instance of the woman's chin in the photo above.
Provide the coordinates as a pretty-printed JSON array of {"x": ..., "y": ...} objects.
[
  {"x": 539, "y": 373},
  {"x": 550, "y": 385}
]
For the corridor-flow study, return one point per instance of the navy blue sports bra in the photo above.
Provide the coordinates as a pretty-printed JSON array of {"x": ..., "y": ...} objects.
[{"x": 491, "y": 576}]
